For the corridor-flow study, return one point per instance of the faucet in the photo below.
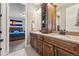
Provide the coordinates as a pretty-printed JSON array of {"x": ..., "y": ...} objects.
[{"x": 63, "y": 32}]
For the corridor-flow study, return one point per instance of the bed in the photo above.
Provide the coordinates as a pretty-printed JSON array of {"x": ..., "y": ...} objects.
[{"x": 16, "y": 34}]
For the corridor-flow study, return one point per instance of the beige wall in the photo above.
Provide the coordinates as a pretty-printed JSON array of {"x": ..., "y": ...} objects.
[
  {"x": 32, "y": 14},
  {"x": 37, "y": 20}
]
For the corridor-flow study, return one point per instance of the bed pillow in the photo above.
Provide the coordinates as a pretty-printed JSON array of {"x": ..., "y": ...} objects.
[
  {"x": 11, "y": 31},
  {"x": 16, "y": 31}
]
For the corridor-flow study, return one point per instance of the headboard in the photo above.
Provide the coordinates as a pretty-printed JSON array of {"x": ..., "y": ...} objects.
[{"x": 12, "y": 29}]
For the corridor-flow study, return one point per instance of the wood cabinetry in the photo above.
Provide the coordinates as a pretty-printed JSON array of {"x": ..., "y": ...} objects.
[
  {"x": 33, "y": 41},
  {"x": 48, "y": 17},
  {"x": 40, "y": 47},
  {"x": 49, "y": 46},
  {"x": 48, "y": 50},
  {"x": 61, "y": 52}
]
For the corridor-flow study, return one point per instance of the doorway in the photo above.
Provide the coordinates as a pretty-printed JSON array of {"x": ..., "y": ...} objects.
[{"x": 16, "y": 27}]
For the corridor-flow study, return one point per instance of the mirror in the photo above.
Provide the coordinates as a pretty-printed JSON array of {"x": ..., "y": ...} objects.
[{"x": 67, "y": 17}]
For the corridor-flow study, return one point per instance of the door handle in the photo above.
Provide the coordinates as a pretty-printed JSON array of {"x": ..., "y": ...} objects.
[
  {"x": 0, "y": 15},
  {"x": 0, "y": 48},
  {"x": 1, "y": 40}
]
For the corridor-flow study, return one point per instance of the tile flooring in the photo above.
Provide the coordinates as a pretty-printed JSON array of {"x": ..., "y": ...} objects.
[
  {"x": 17, "y": 45},
  {"x": 31, "y": 52},
  {"x": 24, "y": 52},
  {"x": 18, "y": 53},
  {"x": 17, "y": 48}
]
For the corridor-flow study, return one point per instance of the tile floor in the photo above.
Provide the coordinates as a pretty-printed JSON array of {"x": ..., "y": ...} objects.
[
  {"x": 17, "y": 48},
  {"x": 31, "y": 52},
  {"x": 24, "y": 52},
  {"x": 18, "y": 53},
  {"x": 17, "y": 45}
]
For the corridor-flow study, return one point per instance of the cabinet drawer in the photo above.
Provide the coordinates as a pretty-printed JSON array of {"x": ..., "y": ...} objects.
[
  {"x": 69, "y": 46},
  {"x": 49, "y": 40},
  {"x": 61, "y": 52},
  {"x": 33, "y": 34}
]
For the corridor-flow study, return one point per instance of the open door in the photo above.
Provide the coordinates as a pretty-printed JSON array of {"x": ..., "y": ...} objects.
[
  {"x": 4, "y": 45},
  {"x": 10, "y": 17}
]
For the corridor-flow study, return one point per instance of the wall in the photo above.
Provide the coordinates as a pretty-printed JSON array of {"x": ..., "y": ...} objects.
[
  {"x": 37, "y": 20},
  {"x": 30, "y": 9},
  {"x": 32, "y": 15},
  {"x": 16, "y": 12},
  {"x": 71, "y": 18}
]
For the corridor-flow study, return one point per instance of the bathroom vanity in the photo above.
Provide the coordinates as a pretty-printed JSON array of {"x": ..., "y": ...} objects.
[{"x": 54, "y": 44}]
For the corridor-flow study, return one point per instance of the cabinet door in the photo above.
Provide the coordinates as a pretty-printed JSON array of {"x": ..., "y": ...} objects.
[
  {"x": 33, "y": 41},
  {"x": 40, "y": 47},
  {"x": 61, "y": 52},
  {"x": 48, "y": 50}
]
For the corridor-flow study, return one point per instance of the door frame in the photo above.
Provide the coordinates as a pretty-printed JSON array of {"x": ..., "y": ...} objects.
[
  {"x": 25, "y": 25},
  {"x": 5, "y": 28}
]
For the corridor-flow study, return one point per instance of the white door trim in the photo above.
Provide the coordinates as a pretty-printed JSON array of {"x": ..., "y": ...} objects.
[
  {"x": 4, "y": 28},
  {"x": 26, "y": 25},
  {"x": 8, "y": 25}
]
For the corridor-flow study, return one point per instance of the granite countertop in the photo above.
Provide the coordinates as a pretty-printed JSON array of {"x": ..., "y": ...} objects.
[{"x": 70, "y": 38}]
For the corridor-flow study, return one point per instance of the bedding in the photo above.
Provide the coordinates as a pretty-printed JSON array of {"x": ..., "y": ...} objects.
[{"x": 16, "y": 35}]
